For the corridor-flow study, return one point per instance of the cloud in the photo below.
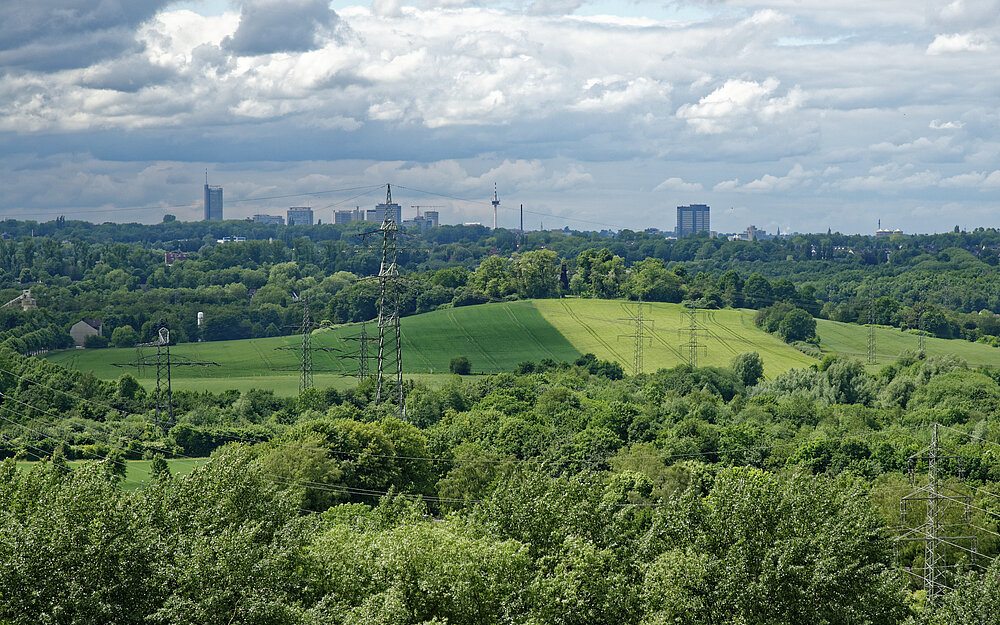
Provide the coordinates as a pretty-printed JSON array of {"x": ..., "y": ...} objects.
[
  {"x": 727, "y": 185},
  {"x": 678, "y": 184},
  {"x": 958, "y": 42},
  {"x": 583, "y": 115},
  {"x": 767, "y": 183},
  {"x": 939, "y": 125},
  {"x": 49, "y": 35},
  {"x": 269, "y": 26},
  {"x": 739, "y": 105},
  {"x": 553, "y": 7}
]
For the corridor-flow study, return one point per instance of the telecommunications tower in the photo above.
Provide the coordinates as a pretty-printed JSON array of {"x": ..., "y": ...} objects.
[{"x": 496, "y": 205}]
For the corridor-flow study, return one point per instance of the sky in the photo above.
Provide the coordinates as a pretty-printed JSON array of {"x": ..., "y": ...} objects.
[{"x": 796, "y": 115}]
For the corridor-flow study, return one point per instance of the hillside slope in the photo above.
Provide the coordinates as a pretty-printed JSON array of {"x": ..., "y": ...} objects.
[{"x": 495, "y": 337}]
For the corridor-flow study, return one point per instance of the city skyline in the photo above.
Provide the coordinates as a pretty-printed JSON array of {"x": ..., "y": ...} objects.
[{"x": 788, "y": 115}]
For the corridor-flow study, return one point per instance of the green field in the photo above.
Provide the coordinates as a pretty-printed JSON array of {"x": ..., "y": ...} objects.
[
  {"x": 603, "y": 327},
  {"x": 495, "y": 337},
  {"x": 137, "y": 471},
  {"x": 852, "y": 340}
]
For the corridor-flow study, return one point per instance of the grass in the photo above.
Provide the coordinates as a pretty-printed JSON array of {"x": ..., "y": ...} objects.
[
  {"x": 137, "y": 471},
  {"x": 852, "y": 340},
  {"x": 603, "y": 327},
  {"x": 495, "y": 337}
]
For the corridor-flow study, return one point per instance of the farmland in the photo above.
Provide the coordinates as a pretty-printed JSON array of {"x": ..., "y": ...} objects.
[{"x": 495, "y": 337}]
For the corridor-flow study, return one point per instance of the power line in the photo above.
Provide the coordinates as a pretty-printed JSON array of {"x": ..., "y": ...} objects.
[{"x": 162, "y": 362}]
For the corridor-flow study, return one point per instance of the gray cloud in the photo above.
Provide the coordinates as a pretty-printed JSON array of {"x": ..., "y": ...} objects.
[
  {"x": 128, "y": 74},
  {"x": 786, "y": 112},
  {"x": 268, "y": 26},
  {"x": 49, "y": 35}
]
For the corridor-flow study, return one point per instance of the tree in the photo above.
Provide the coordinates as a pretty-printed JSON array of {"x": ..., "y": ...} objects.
[
  {"x": 797, "y": 325},
  {"x": 766, "y": 549},
  {"x": 95, "y": 341},
  {"x": 731, "y": 286},
  {"x": 536, "y": 274},
  {"x": 757, "y": 292},
  {"x": 650, "y": 281},
  {"x": 124, "y": 336},
  {"x": 749, "y": 368},
  {"x": 460, "y": 365}
]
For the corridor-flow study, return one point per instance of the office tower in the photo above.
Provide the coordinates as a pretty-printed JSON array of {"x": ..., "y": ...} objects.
[
  {"x": 276, "y": 220},
  {"x": 433, "y": 217},
  {"x": 693, "y": 218},
  {"x": 347, "y": 216},
  {"x": 395, "y": 213},
  {"x": 213, "y": 202},
  {"x": 300, "y": 216}
]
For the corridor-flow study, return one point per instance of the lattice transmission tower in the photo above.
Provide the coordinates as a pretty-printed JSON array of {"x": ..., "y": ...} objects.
[
  {"x": 162, "y": 361},
  {"x": 363, "y": 354},
  {"x": 942, "y": 552},
  {"x": 871, "y": 324},
  {"x": 390, "y": 347},
  {"x": 693, "y": 333},
  {"x": 306, "y": 350},
  {"x": 638, "y": 336}
]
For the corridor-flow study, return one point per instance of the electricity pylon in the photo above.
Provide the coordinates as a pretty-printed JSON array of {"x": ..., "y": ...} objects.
[
  {"x": 693, "y": 333},
  {"x": 871, "y": 324},
  {"x": 638, "y": 337},
  {"x": 938, "y": 499},
  {"x": 389, "y": 338},
  {"x": 363, "y": 357},
  {"x": 162, "y": 361},
  {"x": 306, "y": 350}
]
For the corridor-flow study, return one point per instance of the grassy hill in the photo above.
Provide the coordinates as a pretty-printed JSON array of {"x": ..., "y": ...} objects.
[
  {"x": 495, "y": 337},
  {"x": 604, "y": 328}
]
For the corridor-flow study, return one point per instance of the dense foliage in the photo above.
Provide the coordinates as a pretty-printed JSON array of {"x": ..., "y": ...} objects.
[
  {"x": 944, "y": 285},
  {"x": 557, "y": 493},
  {"x": 560, "y": 494}
]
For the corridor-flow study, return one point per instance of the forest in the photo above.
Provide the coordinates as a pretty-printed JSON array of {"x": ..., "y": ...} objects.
[
  {"x": 943, "y": 285},
  {"x": 560, "y": 493},
  {"x": 557, "y": 492}
]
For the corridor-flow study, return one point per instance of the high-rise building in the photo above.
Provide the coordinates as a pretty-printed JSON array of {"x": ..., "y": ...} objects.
[
  {"x": 213, "y": 202},
  {"x": 276, "y": 220},
  {"x": 693, "y": 218},
  {"x": 433, "y": 217},
  {"x": 347, "y": 216},
  {"x": 300, "y": 216},
  {"x": 377, "y": 214}
]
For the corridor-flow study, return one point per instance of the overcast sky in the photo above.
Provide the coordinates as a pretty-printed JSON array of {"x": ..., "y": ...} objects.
[{"x": 798, "y": 114}]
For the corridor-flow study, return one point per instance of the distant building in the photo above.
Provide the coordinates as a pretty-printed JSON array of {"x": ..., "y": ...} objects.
[
  {"x": 433, "y": 217},
  {"x": 347, "y": 216},
  {"x": 692, "y": 219},
  {"x": 231, "y": 240},
  {"x": 172, "y": 257},
  {"x": 84, "y": 328},
  {"x": 25, "y": 299},
  {"x": 885, "y": 232},
  {"x": 378, "y": 213},
  {"x": 274, "y": 220},
  {"x": 213, "y": 203},
  {"x": 300, "y": 216}
]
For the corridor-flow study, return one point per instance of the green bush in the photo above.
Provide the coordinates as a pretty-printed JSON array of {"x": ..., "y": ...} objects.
[{"x": 460, "y": 365}]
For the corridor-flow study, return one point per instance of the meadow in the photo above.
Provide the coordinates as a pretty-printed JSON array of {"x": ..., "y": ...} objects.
[
  {"x": 136, "y": 471},
  {"x": 496, "y": 337}
]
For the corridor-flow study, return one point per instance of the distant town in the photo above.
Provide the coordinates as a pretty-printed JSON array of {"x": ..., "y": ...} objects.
[{"x": 691, "y": 219}]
